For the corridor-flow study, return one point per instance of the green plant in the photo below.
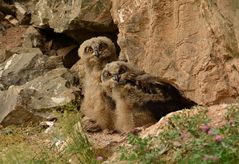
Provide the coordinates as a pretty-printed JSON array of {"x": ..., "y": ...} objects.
[
  {"x": 142, "y": 150},
  {"x": 188, "y": 139},
  {"x": 69, "y": 129},
  {"x": 78, "y": 144},
  {"x": 27, "y": 145}
]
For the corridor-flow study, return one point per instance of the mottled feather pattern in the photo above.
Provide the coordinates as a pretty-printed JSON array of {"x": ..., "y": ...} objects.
[
  {"x": 139, "y": 97},
  {"x": 118, "y": 95}
]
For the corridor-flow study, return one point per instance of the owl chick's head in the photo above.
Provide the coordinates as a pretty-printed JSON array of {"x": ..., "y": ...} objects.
[
  {"x": 97, "y": 51},
  {"x": 118, "y": 73}
]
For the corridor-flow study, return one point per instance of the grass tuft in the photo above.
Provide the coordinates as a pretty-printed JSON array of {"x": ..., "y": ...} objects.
[{"x": 65, "y": 144}]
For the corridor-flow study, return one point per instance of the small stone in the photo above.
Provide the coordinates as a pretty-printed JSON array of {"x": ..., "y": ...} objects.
[{"x": 11, "y": 19}]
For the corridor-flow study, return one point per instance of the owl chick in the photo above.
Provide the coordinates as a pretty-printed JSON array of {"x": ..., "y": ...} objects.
[
  {"x": 95, "y": 53},
  {"x": 140, "y": 98}
]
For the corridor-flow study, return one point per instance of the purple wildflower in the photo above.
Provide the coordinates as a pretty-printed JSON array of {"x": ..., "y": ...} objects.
[
  {"x": 205, "y": 128},
  {"x": 210, "y": 132},
  {"x": 218, "y": 138},
  {"x": 99, "y": 158}
]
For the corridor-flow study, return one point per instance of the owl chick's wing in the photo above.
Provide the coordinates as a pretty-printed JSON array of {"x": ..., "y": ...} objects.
[
  {"x": 149, "y": 85},
  {"x": 157, "y": 90}
]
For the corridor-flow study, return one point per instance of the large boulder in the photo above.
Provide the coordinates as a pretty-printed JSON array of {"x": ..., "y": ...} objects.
[
  {"x": 11, "y": 111},
  {"x": 70, "y": 15},
  {"x": 33, "y": 100},
  {"x": 194, "y": 44},
  {"x": 55, "y": 88},
  {"x": 25, "y": 66}
]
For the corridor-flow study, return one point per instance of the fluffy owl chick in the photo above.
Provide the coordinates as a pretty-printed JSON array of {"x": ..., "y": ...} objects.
[
  {"x": 95, "y": 53},
  {"x": 140, "y": 98}
]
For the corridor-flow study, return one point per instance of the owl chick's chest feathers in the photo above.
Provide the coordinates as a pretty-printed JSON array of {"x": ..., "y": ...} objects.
[{"x": 95, "y": 53}]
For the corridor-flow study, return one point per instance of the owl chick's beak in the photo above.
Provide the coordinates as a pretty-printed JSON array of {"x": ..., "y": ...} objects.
[
  {"x": 116, "y": 77},
  {"x": 96, "y": 54}
]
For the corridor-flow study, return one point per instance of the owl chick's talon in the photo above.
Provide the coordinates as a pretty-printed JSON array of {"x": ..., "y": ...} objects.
[
  {"x": 94, "y": 128},
  {"x": 109, "y": 131},
  {"x": 136, "y": 130},
  {"x": 90, "y": 125}
]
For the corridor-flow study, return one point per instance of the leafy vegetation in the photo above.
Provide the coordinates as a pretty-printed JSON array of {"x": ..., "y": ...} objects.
[
  {"x": 31, "y": 145},
  {"x": 185, "y": 138},
  {"x": 188, "y": 139}
]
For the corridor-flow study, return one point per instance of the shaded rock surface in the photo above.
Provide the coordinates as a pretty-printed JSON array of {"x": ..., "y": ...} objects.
[
  {"x": 9, "y": 103},
  {"x": 194, "y": 44},
  {"x": 32, "y": 101},
  {"x": 80, "y": 20},
  {"x": 55, "y": 88},
  {"x": 24, "y": 67},
  {"x": 72, "y": 15},
  {"x": 33, "y": 80}
]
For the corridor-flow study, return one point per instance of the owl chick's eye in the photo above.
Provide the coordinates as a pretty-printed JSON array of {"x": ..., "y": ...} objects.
[
  {"x": 89, "y": 50},
  {"x": 103, "y": 46},
  {"x": 122, "y": 69},
  {"x": 106, "y": 74}
]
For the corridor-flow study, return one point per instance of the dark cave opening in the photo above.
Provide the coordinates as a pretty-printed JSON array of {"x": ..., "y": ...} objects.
[{"x": 66, "y": 44}]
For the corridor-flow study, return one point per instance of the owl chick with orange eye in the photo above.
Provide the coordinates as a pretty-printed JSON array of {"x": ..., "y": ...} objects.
[
  {"x": 140, "y": 98},
  {"x": 95, "y": 53}
]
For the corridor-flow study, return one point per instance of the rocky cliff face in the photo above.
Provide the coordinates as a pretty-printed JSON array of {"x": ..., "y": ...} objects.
[
  {"x": 33, "y": 80},
  {"x": 80, "y": 19},
  {"x": 38, "y": 39},
  {"x": 192, "y": 43},
  {"x": 74, "y": 15}
]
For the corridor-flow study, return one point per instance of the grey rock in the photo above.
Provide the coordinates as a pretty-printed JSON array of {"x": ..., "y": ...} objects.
[
  {"x": 11, "y": 109},
  {"x": 22, "y": 14},
  {"x": 23, "y": 67},
  {"x": 35, "y": 100},
  {"x": 68, "y": 15},
  {"x": 11, "y": 20},
  {"x": 32, "y": 38},
  {"x": 53, "y": 89}
]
